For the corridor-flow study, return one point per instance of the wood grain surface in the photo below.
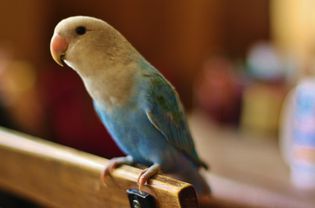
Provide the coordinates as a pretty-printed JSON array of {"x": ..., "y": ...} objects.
[{"x": 58, "y": 176}]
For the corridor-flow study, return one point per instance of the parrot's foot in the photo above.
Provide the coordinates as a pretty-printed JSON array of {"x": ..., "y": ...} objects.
[
  {"x": 114, "y": 163},
  {"x": 146, "y": 174}
]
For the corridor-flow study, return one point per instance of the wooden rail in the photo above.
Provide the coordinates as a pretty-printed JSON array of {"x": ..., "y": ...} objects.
[{"x": 57, "y": 176}]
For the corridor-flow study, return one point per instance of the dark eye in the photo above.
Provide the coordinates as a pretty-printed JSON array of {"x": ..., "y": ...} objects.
[{"x": 81, "y": 30}]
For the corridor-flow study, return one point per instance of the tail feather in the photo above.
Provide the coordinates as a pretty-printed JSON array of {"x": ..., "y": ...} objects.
[
  {"x": 204, "y": 165},
  {"x": 191, "y": 175}
]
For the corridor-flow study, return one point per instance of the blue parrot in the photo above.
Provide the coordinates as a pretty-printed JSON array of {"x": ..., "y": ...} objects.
[{"x": 138, "y": 106}]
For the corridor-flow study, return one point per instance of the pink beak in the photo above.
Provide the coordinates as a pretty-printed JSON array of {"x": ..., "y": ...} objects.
[{"x": 58, "y": 47}]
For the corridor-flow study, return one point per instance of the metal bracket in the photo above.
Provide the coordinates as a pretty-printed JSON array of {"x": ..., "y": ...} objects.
[{"x": 140, "y": 199}]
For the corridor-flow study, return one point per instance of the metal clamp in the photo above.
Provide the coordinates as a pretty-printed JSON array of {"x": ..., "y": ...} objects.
[{"x": 141, "y": 199}]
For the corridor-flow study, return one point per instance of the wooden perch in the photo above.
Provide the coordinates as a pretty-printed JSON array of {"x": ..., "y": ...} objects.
[{"x": 58, "y": 176}]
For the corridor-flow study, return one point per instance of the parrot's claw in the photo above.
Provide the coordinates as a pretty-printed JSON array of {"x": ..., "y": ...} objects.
[
  {"x": 114, "y": 163},
  {"x": 146, "y": 174}
]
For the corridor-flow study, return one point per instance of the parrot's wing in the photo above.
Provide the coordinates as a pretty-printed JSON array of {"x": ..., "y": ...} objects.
[{"x": 166, "y": 114}]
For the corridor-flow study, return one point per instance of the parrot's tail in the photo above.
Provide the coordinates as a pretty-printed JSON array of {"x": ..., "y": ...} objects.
[
  {"x": 204, "y": 165},
  {"x": 191, "y": 175}
]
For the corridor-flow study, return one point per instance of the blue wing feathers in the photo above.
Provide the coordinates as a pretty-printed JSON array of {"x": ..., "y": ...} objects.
[
  {"x": 166, "y": 113},
  {"x": 154, "y": 118}
]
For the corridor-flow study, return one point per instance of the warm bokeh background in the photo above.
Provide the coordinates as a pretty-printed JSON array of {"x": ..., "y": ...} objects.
[
  {"x": 233, "y": 63},
  {"x": 176, "y": 36},
  {"x": 233, "y": 60}
]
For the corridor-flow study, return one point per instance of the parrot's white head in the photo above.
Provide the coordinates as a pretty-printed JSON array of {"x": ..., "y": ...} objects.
[
  {"x": 98, "y": 53},
  {"x": 82, "y": 42}
]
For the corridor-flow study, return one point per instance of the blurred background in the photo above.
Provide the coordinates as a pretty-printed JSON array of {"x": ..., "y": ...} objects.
[{"x": 232, "y": 62}]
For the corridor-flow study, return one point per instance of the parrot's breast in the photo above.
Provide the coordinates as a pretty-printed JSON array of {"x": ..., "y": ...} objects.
[
  {"x": 135, "y": 136},
  {"x": 112, "y": 88}
]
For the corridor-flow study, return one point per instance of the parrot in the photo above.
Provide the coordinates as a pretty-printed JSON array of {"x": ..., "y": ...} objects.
[{"x": 138, "y": 106}]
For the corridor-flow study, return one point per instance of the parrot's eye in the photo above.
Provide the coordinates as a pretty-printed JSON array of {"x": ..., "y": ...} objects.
[{"x": 81, "y": 30}]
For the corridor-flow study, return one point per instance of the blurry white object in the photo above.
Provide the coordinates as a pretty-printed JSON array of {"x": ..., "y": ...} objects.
[
  {"x": 266, "y": 63},
  {"x": 298, "y": 134}
]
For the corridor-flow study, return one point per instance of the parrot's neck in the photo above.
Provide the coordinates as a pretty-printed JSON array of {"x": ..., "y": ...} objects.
[
  {"x": 108, "y": 76},
  {"x": 111, "y": 87}
]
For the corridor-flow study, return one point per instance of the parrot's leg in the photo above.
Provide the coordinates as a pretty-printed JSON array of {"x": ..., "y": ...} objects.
[
  {"x": 147, "y": 173},
  {"x": 114, "y": 163}
]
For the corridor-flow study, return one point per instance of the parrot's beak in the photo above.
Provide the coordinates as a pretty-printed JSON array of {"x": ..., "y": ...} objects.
[{"x": 58, "y": 47}]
